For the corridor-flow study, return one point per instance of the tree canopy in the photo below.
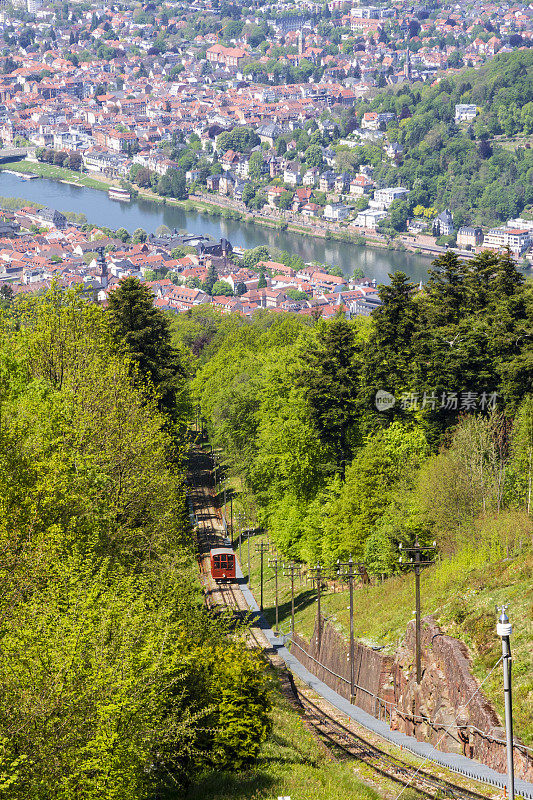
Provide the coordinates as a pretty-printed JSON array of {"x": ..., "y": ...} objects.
[
  {"x": 145, "y": 331},
  {"x": 335, "y": 426},
  {"x": 114, "y": 682}
]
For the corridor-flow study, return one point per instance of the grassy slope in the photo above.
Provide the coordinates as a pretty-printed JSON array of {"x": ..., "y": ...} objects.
[
  {"x": 58, "y": 173},
  {"x": 291, "y": 763},
  {"x": 460, "y": 593}
]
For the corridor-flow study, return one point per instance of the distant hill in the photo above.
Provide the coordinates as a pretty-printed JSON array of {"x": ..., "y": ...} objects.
[{"x": 471, "y": 168}]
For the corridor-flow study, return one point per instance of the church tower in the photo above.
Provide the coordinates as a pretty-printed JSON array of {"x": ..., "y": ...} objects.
[
  {"x": 407, "y": 67},
  {"x": 102, "y": 267}
]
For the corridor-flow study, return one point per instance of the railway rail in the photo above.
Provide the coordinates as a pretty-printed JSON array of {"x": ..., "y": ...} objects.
[
  {"x": 351, "y": 745},
  {"x": 342, "y": 742}
]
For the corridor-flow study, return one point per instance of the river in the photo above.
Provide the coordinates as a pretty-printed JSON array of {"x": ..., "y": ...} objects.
[{"x": 100, "y": 210}]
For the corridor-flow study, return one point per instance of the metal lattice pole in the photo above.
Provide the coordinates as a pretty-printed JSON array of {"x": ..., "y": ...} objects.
[
  {"x": 249, "y": 570},
  {"x": 239, "y": 523},
  {"x": 316, "y": 575},
  {"x": 290, "y": 570},
  {"x": 274, "y": 562},
  {"x": 345, "y": 570}
]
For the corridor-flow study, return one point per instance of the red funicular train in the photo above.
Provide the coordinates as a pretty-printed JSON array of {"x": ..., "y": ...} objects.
[{"x": 222, "y": 564}]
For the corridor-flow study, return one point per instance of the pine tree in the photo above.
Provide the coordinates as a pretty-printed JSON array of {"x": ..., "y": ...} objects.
[
  {"x": 507, "y": 279},
  {"x": 146, "y": 332},
  {"x": 330, "y": 380},
  {"x": 262, "y": 281},
  {"x": 211, "y": 279},
  {"x": 388, "y": 365},
  {"x": 445, "y": 289},
  {"x": 479, "y": 280}
]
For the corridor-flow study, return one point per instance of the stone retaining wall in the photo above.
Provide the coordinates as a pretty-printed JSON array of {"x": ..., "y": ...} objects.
[
  {"x": 448, "y": 692},
  {"x": 373, "y": 670},
  {"x": 447, "y": 697}
]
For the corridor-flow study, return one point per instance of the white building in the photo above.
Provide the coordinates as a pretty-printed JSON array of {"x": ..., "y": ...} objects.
[
  {"x": 526, "y": 224},
  {"x": 291, "y": 176},
  {"x": 517, "y": 240},
  {"x": 336, "y": 211},
  {"x": 370, "y": 218},
  {"x": 310, "y": 178},
  {"x": 465, "y": 112},
  {"x": 32, "y": 276},
  {"x": 384, "y": 198},
  {"x": 371, "y": 12}
]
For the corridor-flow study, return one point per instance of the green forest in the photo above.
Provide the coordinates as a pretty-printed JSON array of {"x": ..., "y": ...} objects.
[
  {"x": 114, "y": 681},
  {"x": 463, "y": 167},
  {"x": 291, "y": 404}
]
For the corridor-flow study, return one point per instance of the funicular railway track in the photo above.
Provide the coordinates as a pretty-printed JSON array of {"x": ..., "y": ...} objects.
[
  {"x": 351, "y": 745},
  {"x": 342, "y": 742}
]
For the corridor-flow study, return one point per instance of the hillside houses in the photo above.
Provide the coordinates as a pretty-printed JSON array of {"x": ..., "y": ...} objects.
[{"x": 126, "y": 93}]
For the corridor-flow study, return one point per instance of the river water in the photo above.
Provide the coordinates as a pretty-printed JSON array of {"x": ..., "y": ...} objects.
[{"x": 100, "y": 210}]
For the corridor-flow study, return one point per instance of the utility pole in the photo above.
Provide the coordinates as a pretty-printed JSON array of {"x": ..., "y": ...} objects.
[
  {"x": 225, "y": 504},
  {"x": 504, "y": 629},
  {"x": 262, "y": 548},
  {"x": 239, "y": 525},
  {"x": 249, "y": 570},
  {"x": 291, "y": 570},
  {"x": 418, "y": 562},
  {"x": 316, "y": 578},
  {"x": 345, "y": 572},
  {"x": 274, "y": 562}
]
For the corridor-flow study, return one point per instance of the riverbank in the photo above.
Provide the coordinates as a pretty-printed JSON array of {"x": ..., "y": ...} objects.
[
  {"x": 62, "y": 191},
  {"x": 54, "y": 173},
  {"x": 218, "y": 206}
]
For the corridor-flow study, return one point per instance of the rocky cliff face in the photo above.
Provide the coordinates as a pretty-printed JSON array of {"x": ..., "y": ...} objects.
[
  {"x": 449, "y": 695},
  {"x": 447, "y": 709}
]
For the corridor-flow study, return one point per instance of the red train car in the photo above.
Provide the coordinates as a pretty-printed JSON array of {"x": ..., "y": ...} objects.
[{"x": 222, "y": 564}]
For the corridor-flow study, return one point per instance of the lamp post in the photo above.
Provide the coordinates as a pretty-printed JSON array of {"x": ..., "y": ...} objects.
[
  {"x": 274, "y": 562},
  {"x": 262, "y": 547},
  {"x": 418, "y": 562},
  {"x": 504, "y": 630}
]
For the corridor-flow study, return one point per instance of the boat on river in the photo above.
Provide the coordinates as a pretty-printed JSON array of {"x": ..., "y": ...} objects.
[{"x": 118, "y": 193}]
